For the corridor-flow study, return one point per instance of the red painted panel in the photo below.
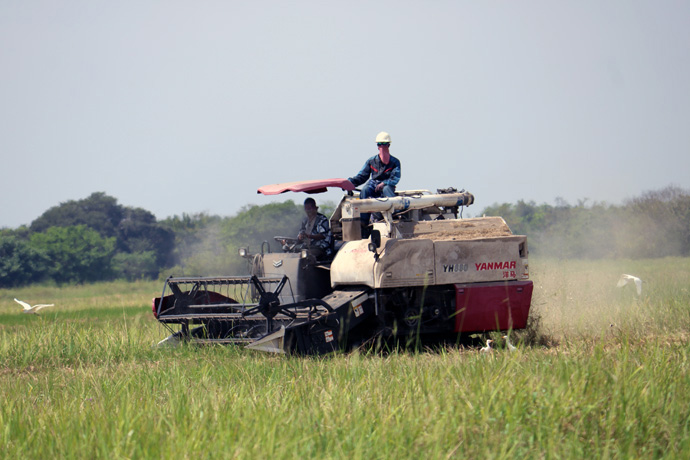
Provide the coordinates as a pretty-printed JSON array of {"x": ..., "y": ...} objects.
[{"x": 492, "y": 306}]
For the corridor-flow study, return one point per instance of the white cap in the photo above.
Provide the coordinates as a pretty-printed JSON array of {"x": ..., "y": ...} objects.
[{"x": 383, "y": 137}]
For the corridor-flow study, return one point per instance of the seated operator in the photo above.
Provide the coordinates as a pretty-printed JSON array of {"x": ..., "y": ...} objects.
[
  {"x": 315, "y": 231},
  {"x": 384, "y": 170}
]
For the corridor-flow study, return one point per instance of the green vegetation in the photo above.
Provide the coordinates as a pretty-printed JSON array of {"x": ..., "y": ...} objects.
[
  {"x": 77, "y": 253},
  {"x": 82, "y": 381},
  {"x": 96, "y": 239},
  {"x": 655, "y": 224},
  {"x": 93, "y": 239}
]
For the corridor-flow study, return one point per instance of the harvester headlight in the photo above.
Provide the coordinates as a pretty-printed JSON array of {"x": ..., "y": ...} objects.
[
  {"x": 243, "y": 252},
  {"x": 304, "y": 254}
]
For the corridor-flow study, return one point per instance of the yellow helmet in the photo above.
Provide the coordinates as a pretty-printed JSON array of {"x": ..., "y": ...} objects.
[{"x": 383, "y": 137}]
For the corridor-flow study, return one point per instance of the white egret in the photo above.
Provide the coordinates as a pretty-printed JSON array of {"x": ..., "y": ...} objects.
[
  {"x": 170, "y": 341},
  {"x": 29, "y": 309},
  {"x": 509, "y": 345},
  {"x": 625, "y": 279},
  {"x": 487, "y": 348}
]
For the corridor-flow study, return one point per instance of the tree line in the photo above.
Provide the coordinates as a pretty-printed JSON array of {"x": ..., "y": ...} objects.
[
  {"x": 654, "y": 224},
  {"x": 97, "y": 239}
]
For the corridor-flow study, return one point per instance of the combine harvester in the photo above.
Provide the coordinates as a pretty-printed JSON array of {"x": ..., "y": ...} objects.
[{"x": 423, "y": 276}]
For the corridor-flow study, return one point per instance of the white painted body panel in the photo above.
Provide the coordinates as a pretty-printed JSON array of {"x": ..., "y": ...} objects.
[{"x": 435, "y": 253}]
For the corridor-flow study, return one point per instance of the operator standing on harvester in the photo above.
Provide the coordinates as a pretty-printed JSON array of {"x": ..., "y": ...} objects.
[{"x": 384, "y": 170}]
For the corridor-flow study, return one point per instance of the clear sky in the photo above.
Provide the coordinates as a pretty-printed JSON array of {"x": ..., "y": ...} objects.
[{"x": 190, "y": 106}]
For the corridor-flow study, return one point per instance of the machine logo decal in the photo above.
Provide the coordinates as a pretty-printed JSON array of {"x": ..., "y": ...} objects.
[
  {"x": 329, "y": 336},
  {"x": 277, "y": 263},
  {"x": 455, "y": 268},
  {"x": 507, "y": 265}
]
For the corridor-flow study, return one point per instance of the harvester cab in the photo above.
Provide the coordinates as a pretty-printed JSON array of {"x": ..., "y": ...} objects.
[{"x": 423, "y": 274}]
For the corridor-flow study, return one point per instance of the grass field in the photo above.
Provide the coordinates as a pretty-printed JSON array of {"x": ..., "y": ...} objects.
[{"x": 82, "y": 381}]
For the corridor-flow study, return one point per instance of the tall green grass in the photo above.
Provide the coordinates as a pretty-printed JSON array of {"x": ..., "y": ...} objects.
[{"x": 82, "y": 381}]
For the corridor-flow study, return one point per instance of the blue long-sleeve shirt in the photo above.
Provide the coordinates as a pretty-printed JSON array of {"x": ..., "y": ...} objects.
[{"x": 389, "y": 173}]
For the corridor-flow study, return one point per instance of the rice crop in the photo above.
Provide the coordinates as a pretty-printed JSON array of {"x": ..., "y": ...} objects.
[{"x": 82, "y": 380}]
